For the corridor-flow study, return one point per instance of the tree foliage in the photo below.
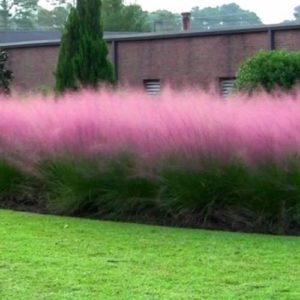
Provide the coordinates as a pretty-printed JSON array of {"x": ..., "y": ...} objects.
[
  {"x": 5, "y": 75},
  {"x": 55, "y": 18},
  {"x": 268, "y": 70},
  {"x": 120, "y": 17},
  {"x": 225, "y": 15},
  {"x": 116, "y": 16},
  {"x": 296, "y": 15},
  {"x": 164, "y": 20},
  {"x": 82, "y": 59},
  {"x": 17, "y": 13}
]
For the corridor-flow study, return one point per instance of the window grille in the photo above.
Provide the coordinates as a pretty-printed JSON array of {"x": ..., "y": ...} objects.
[{"x": 152, "y": 86}]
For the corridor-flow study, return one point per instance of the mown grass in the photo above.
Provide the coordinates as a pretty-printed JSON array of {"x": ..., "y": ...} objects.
[{"x": 44, "y": 257}]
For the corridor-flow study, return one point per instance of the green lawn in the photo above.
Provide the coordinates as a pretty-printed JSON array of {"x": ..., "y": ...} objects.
[{"x": 43, "y": 257}]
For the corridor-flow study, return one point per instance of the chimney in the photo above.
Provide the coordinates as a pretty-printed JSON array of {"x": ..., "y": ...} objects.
[{"x": 186, "y": 21}]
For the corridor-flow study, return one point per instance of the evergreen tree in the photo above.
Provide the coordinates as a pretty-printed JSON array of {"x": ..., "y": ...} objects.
[
  {"x": 83, "y": 54},
  {"x": 5, "y": 75},
  {"x": 65, "y": 75}
]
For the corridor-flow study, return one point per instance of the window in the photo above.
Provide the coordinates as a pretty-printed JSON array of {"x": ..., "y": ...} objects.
[
  {"x": 226, "y": 86},
  {"x": 152, "y": 86}
]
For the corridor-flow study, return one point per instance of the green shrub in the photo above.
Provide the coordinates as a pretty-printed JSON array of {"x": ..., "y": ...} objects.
[
  {"x": 5, "y": 75},
  {"x": 268, "y": 70}
]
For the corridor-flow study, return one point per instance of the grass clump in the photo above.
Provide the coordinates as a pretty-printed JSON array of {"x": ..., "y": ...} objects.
[
  {"x": 18, "y": 189},
  {"x": 99, "y": 187},
  {"x": 233, "y": 195},
  {"x": 184, "y": 159}
]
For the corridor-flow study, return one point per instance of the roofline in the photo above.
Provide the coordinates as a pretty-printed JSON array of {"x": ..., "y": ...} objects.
[
  {"x": 187, "y": 34},
  {"x": 163, "y": 36},
  {"x": 28, "y": 44}
]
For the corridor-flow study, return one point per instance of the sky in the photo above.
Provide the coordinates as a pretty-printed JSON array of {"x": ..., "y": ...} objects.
[{"x": 269, "y": 11}]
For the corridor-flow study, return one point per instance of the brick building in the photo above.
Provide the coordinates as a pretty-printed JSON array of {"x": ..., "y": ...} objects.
[{"x": 201, "y": 59}]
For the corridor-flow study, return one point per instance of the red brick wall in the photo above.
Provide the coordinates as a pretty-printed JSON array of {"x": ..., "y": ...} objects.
[
  {"x": 289, "y": 40},
  {"x": 197, "y": 61},
  {"x": 193, "y": 61},
  {"x": 33, "y": 67}
]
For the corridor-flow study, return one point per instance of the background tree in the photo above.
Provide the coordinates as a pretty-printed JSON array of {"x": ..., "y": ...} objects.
[
  {"x": 134, "y": 19},
  {"x": 24, "y": 15},
  {"x": 225, "y": 15},
  {"x": 5, "y": 75},
  {"x": 55, "y": 18},
  {"x": 297, "y": 13},
  {"x": 17, "y": 13},
  {"x": 83, "y": 54},
  {"x": 164, "y": 20},
  {"x": 116, "y": 16},
  {"x": 5, "y": 13},
  {"x": 120, "y": 17}
]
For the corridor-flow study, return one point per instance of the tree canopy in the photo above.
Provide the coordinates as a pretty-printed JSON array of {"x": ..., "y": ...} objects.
[
  {"x": 17, "y": 13},
  {"x": 225, "y": 15},
  {"x": 54, "y": 19},
  {"x": 164, "y": 20},
  {"x": 296, "y": 15},
  {"x": 119, "y": 16}
]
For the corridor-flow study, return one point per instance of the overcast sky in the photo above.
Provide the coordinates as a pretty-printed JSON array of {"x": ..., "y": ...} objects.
[{"x": 270, "y": 11}]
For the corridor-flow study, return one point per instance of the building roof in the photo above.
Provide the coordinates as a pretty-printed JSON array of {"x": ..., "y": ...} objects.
[
  {"x": 27, "y": 36},
  {"x": 43, "y": 38}
]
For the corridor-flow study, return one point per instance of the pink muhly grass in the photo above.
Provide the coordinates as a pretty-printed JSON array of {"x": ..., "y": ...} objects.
[{"x": 189, "y": 125}]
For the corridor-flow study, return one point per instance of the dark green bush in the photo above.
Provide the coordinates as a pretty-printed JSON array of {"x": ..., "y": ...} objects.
[
  {"x": 5, "y": 75},
  {"x": 268, "y": 70}
]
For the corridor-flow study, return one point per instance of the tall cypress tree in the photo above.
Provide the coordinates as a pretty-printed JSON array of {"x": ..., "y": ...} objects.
[
  {"x": 65, "y": 75},
  {"x": 83, "y": 53}
]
